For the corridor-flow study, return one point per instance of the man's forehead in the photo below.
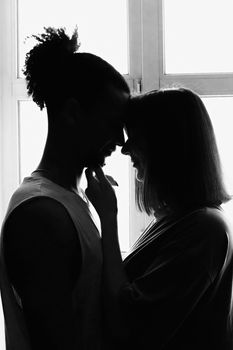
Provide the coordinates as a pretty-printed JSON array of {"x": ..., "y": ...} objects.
[
  {"x": 116, "y": 94},
  {"x": 117, "y": 106}
]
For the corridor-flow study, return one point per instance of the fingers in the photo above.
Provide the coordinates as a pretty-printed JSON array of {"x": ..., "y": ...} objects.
[
  {"x": 89, "y": 174},
  {"x": 111, "y": 180},
  {"x": 95, "y": 177},
  {"x": 100, "y": 174},
  {"x": 104, "y": 179}
]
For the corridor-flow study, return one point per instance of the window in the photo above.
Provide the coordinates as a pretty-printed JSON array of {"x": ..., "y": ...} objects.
[
  {"x": 197, "y": 35},
  {"x": 221, "y": 112},
  {"x": 92, "y": 18}
]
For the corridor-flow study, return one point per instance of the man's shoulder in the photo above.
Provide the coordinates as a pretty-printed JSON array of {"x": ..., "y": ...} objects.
[
  {"x": 41, "y": 246},
  {"x": 39, "y": 220},
  {"x": 38, "y": 209}
]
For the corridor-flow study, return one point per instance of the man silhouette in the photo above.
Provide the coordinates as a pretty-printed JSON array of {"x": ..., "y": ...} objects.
[{"x": 51, "y": 259}]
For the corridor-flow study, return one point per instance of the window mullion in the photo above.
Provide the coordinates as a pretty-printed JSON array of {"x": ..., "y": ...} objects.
[
  {"x": 203, "y": 84},
  {"x": 135, "y": 40},
  {"x": 150, "y": 72},
  {"x": 150, "y": 44}
]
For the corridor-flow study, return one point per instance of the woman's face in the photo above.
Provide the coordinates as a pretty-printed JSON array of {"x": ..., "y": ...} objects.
[{"x": 135, "y": 147}]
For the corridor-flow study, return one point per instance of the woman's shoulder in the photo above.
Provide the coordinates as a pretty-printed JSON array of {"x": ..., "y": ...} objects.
[
  {"x": 213, "y": 217},
  {"x": 209, "y": 224}
]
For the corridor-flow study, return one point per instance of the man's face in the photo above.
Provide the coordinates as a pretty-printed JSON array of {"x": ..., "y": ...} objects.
[{"x": 106, "y": 127}]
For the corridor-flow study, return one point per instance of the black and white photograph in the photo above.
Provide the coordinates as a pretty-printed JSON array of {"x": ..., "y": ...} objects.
[{"x": 116, "y": 175}]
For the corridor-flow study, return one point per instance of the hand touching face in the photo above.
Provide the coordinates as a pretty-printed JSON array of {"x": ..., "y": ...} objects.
[{"x": 100, "y": 192}]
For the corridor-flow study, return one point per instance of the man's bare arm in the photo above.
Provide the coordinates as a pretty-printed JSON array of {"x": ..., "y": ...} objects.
[{"x": 43, "y": 258}]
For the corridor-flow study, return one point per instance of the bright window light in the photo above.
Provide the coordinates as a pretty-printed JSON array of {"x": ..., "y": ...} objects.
[
  {"x": 198, "y": 36},
  {"x": 102, "y": 26},
  {"x": 33, "y": 128},
  {"x": 220, "y": 110}
]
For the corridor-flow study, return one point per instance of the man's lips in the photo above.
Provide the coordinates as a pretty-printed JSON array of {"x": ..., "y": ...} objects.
[{"x": 109, "y": 151}]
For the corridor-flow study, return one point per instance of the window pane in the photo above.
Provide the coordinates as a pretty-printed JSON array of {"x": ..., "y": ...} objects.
[
  {"x": 32, "y": 137},
  {"x": 221, "y": 112},
  {"x": 102, "y": 26},
  {"x": 198, "y": 36}
]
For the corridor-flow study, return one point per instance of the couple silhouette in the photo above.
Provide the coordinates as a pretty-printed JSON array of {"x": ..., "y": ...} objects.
[{"x": 64, "y": 284}]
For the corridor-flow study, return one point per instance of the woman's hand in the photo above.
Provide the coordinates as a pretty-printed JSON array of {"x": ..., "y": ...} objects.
[{"x": 100, "y": 192}]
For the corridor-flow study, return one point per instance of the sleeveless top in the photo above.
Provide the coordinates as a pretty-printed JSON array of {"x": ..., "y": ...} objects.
[{"x": 87, "y": 291}]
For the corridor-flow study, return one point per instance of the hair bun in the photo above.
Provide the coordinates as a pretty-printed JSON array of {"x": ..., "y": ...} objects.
[{"x": 48, "y": 61}]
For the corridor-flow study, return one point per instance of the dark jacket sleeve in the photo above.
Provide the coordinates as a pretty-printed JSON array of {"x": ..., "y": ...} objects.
[{"x": 157, "y": 303}]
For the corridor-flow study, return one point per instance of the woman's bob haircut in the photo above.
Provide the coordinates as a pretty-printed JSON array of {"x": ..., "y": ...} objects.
[{"x": 183, "y": 169}]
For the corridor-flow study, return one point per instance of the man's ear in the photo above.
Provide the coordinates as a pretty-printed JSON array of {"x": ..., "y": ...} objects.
[{"x": 71, "y": 111}]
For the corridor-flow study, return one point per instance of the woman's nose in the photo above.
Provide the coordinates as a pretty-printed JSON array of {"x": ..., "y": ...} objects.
[
  {"x": 125, "y": 148},
  {"x": 120, "y": 140}
]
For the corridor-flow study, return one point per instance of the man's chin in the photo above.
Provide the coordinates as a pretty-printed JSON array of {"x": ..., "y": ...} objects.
[{"x": 96, "y": 162}]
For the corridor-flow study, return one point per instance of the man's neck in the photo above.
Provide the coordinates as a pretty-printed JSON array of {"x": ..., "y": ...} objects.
[{"x": 61, "y": 171}]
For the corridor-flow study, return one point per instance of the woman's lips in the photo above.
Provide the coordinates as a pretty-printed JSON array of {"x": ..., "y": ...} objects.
[{"x": 135, "y": 163}]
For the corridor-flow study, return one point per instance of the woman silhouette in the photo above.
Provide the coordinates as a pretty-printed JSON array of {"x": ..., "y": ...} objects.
[{"x": 174, "y": 289}]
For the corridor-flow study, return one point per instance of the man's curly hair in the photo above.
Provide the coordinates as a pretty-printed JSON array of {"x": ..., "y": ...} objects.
[
  {"x": 47, "y": 62},
  {"x": 54, "y": 70}
]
